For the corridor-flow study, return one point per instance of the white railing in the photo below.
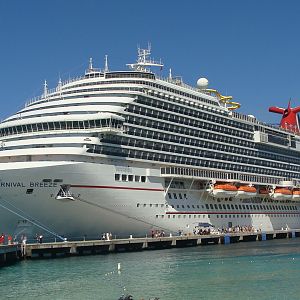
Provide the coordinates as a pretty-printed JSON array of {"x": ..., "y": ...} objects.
[
  {"x": 218, "y": 175},
  {"x": 52, "y": 92}
]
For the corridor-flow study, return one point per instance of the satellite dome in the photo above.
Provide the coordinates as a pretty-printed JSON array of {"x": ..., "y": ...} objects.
[{"x": 202, "y": 83}]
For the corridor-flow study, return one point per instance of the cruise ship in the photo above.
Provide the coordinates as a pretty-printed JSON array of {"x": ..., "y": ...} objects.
[{"x": 129, "y": 152}]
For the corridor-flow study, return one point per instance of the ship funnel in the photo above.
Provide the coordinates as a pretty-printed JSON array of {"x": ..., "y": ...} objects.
[{"x": 289, "y": 119}]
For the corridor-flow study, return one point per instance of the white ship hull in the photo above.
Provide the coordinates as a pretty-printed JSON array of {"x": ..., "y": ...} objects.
[{"x": 103, "y": 205}]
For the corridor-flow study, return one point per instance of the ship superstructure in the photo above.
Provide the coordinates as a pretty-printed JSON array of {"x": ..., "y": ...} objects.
[{"x": 128, "y": 152}]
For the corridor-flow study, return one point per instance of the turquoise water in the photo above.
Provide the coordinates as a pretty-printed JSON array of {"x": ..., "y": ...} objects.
[{"x": 254, "y": 270}]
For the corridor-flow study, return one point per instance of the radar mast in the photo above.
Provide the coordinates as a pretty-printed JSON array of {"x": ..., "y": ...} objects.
[{"x": 144, "y": 62}]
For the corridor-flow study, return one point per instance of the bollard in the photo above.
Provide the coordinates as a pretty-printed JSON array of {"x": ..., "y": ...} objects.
[{"x": 263, "y": 236}]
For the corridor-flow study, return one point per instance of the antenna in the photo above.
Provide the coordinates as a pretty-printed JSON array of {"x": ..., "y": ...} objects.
[
  {"x": 106, "y": 64},
  {"x": 91, "y": 64},
  {"x": 59, "y": 85},
  {"x": 170, "y": 74},
  {"x": 45, "y": 88}
]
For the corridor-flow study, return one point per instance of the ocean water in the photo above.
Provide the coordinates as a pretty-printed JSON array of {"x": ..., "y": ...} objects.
[{"x": 253, "y": 270}]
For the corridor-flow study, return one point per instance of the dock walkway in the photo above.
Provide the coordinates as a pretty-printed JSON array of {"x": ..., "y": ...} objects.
[
  {"x": 73, "y": 248},
  {"x": 9, "y": 254}
]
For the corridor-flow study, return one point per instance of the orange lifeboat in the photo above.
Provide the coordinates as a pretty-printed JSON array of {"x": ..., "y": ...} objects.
[
  {"x": 223, "y": 190},
  {"x": 246, "y": 191},
  {"x": 282, "y": 194},
  {"x": 296, "y": 194}
]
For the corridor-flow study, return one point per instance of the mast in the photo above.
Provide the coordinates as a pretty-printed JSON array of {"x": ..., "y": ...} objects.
[
  {"x": 45, "y": 89},
  {"x": 106, "y": 64},
  {"x": 144, "y": 62}
]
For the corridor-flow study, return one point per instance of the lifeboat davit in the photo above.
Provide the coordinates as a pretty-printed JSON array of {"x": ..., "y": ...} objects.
[
  {"x": 224, "y": 190},
  {"x": 246, "y": 191},
  {"x": 263, "y": 192},
  {"x": 282, "y": 194},
  {"x": 296, "y": 194}
]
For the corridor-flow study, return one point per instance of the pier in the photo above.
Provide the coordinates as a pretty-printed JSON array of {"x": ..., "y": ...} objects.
[
  {"x": 9, "y": 254},
  {"x": 91, "y": 247}
]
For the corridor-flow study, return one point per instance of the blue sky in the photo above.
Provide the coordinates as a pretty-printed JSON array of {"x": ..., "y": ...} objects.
[{"x": 247, "y": 49}]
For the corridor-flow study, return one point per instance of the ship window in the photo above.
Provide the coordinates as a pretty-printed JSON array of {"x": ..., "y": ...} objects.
[
  {"x": 169, "y": 195},
  {"x": 137, "y": 205},
  {"x": 58, "y": 180},
  {"x": 180, "y": 196},
  {"x": 130, "y": 177},
  {"x": 206, "y": 205},
  {"x": 143, "y": 178},
  {"x": 220, "y": 206},
  {"x": 175, "y": 196},
  {"x": 51, "y": 126},
  {"x": 47, "y": 180},
  {"x": 193, "y": 206},
  {"x": 124, "y": 177},
  {"x": 177, "y": 206},
  {"x": 224, "y": 206},
  {"x": 29, "y": 191},
  {"x": 216, "y": 206},
  {"x": 137, "y": 178},
  {"x": 117, "y": 177}
]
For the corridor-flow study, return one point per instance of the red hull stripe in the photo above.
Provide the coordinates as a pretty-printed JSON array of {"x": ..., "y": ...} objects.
[
  {"x": 230, "y": 213},
  {"x": 115, "y": 188}
]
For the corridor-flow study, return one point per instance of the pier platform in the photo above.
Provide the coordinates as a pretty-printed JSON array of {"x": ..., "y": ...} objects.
[
  {"x": 73, "y": 248},
  {"x": 9, "y": 254}
]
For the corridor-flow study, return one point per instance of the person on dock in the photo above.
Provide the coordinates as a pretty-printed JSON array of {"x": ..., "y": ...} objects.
[
  {"x": 23, "y": 245},
  {"x": 2, "y": 238},
  {"x": 40, "y": 238}
]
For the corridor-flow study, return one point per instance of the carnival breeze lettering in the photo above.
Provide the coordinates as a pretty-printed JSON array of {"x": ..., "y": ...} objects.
[{"x": 31, "y": 184}]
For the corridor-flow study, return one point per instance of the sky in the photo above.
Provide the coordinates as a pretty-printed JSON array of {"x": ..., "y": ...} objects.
[{"x": 247, "y": 49}]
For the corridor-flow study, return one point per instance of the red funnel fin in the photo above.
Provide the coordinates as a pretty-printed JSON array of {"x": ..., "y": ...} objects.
[{"x": 289, "y": 117}]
